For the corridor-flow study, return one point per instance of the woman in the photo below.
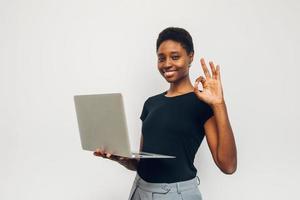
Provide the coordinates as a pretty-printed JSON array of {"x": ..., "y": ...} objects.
[{"x": 175, "y": 123}]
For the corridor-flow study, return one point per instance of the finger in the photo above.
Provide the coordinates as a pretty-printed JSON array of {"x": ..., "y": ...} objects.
[
  {"x": 218, "y": 74},
  {"x": 105, "y": 155},
  {"x": 111, "y": 156},
  {"x": 202, "y": 80},
  {"x": 213, "y": 70},
  {"x": 196, "y": 85},
  {"x": 205, "y": 70},
  {"x": 196, "y": 89},
  {"x": 97, "y": 150},
  {"x": 98, "y": 154},
  {"x": 102, "y": 151}
]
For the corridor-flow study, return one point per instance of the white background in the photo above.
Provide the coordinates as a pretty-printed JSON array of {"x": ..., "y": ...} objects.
[{"x": 51, "y": 50}]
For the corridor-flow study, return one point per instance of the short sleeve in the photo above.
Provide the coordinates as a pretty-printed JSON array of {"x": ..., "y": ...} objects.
[
  {"x": 208, "y": 112},
  {"x": 144, "y": 111}
]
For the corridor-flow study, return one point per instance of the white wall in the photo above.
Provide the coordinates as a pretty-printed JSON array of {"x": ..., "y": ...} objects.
[{"x": 51, "y": 50}]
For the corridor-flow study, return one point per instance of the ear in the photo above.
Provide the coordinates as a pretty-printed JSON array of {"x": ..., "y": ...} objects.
[{"x": 191, "y": 56}]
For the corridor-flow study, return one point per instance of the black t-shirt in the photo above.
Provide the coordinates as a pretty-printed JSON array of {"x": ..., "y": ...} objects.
[{"x": 172, "y": 126}]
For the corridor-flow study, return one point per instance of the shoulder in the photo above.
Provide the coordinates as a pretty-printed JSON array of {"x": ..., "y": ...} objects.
[{"x": 154, "y": 97}]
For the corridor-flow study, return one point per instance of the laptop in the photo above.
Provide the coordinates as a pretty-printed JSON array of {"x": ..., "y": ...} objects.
[{"x": 102, "y": 124}]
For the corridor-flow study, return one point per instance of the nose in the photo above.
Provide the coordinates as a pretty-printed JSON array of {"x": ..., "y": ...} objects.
[{"x": 168, "y": 62}]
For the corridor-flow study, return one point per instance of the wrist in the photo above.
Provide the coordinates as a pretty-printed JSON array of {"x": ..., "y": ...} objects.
[{"x": 218, "y": 105}]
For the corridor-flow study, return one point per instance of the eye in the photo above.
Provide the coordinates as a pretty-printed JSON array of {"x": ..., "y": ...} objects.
[
  {"x": 175, "y": 57},
  {"x": 160, "y": 59}
]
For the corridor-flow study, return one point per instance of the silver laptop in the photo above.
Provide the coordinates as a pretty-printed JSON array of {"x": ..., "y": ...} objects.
[{"x": 102, "y": 124}]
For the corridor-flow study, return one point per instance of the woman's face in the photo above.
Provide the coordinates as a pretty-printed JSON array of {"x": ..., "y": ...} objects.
[{"x": 173, "y": 61}]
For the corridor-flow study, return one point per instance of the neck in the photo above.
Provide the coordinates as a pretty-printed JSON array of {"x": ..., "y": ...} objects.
[{"x": 182, "y": 86}]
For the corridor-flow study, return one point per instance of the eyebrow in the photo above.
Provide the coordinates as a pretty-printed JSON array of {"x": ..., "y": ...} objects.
[{"x": 172, "y": 52}]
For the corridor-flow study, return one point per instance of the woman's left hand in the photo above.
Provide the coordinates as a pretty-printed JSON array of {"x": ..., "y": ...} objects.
[{"x": 212, "y": 88}]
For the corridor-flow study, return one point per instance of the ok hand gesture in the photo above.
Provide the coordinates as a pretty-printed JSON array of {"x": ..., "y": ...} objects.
[{"x": 212, "y": 88}]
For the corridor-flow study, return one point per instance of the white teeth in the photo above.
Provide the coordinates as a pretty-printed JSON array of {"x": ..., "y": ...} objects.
[{"x": 169, "y": 73}]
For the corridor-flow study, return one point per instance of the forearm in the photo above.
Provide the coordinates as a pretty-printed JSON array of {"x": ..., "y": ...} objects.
[
  {"x": 131, "y": 164},
  {"x": 226, "y": 148}
]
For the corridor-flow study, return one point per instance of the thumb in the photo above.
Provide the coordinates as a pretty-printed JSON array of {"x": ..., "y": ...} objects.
[
  {"x": 196, "y": 89},
  {"x": 202, "y": 80},
  {"x": 112, "y": 157}
]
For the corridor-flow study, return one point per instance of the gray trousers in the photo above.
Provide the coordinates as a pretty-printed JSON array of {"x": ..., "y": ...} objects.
[{"x": 184, "y": 190}]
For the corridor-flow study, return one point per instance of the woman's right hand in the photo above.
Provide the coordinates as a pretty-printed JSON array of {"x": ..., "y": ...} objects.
[
  {"x": 102, "y": 153},
  {"x": 129, "y": 163}
]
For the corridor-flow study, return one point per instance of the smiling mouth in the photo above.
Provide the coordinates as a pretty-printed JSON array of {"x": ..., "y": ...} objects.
[{"x": 169, "y": 73}]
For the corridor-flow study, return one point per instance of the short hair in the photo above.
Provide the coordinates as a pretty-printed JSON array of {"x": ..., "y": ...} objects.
[{"x": 176, "y": 34}]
